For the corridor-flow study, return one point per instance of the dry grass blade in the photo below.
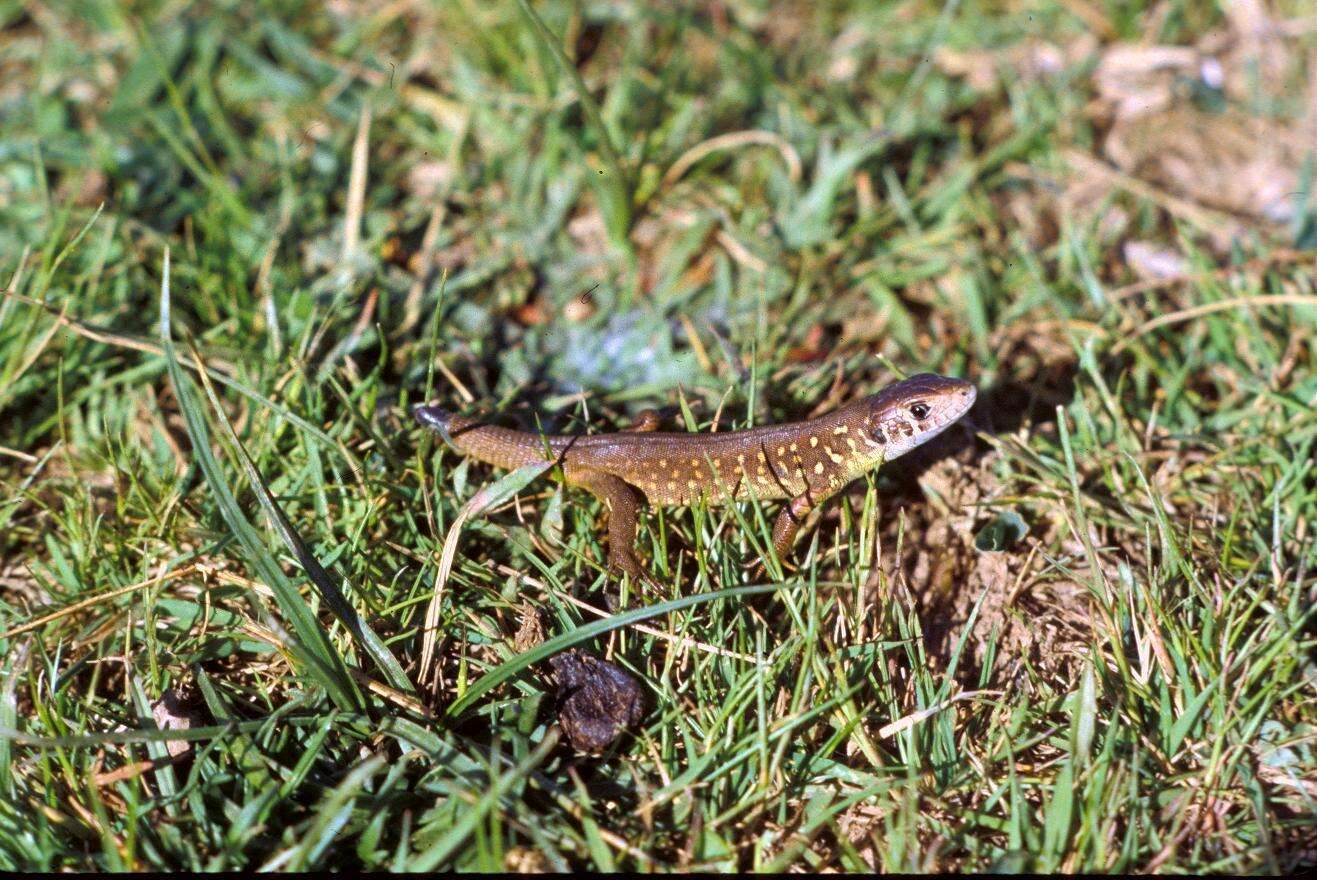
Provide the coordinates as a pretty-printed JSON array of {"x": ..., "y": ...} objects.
[
  {"x": 356, "y": 188},
  {"x": 19, "y": 454},
  {"x": 731, "y": 141},
  {"x": 93, "y": 601},
  {"x": 489, "y": 496},
  {"x": 908, "y": 721}
]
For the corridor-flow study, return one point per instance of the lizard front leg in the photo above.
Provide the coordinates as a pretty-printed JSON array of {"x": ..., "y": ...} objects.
[
  {"x": 790, "y": 518},
  {"x": 623, "y": 503}
]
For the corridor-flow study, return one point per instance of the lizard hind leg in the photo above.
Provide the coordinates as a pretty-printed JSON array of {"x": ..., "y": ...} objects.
[
  {"x": 646, "y": 420},
  {"x": 623, "y": 503}
]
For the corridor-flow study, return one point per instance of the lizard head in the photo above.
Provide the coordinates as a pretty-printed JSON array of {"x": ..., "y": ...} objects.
[{"x": 912, "y": 412}]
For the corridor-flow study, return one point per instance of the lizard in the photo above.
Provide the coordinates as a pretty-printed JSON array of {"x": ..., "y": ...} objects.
[{"x": 805, "y": 462}]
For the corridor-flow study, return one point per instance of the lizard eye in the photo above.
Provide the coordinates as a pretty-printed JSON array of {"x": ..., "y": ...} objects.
[{"x": 919, "y": 410}]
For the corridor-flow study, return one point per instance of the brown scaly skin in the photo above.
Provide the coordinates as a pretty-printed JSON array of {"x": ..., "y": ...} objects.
[{"x": 807, "y": 462}]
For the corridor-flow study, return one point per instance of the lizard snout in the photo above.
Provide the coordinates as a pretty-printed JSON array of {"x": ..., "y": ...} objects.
[{"x": 432, "y": 416}]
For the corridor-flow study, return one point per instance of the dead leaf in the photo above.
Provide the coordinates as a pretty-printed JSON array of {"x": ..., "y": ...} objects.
[
  {"x": 531, "y": 632},
  {"x": 175, "y": 710}
]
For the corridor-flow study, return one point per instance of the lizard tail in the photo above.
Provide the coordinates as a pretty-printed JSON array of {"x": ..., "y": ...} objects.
[{"x": 501, "y": 447}]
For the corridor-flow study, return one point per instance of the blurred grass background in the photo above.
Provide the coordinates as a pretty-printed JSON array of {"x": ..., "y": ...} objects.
[{"x": 1075, "y": 636}]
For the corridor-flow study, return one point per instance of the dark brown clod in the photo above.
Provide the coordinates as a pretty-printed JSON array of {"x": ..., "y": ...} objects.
[{"x": 597, "y": 701}]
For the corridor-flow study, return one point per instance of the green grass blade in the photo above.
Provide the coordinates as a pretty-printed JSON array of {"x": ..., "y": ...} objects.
[
  {"x": 443, "y": 849},
  {"x": 360, "y": 631},
  {"x": 505, "y": 671},
  {"x": 311, "y": 644},
  {"x": 617, "y": 186}
]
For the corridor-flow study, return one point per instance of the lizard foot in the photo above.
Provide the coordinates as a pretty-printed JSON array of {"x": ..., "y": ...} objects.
[
  {"x": 626, "y": 563},
  {"x": 758, "y": 568}
]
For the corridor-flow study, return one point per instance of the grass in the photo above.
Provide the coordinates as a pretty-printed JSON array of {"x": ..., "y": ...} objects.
[{"x": 238, "y": 241}]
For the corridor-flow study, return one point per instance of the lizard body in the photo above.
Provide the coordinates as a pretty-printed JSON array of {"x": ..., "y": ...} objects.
[{"x": 807, "y": 462}]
